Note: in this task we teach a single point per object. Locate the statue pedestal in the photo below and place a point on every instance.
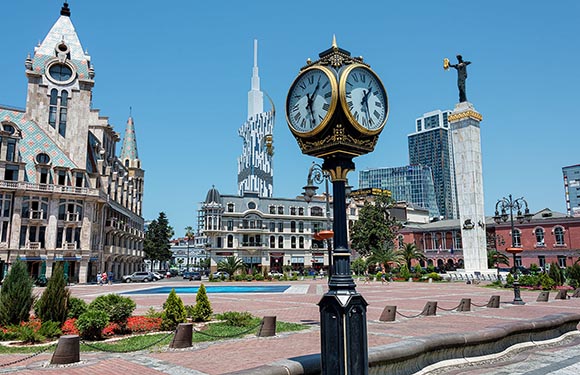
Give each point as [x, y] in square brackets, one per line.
[465, 134]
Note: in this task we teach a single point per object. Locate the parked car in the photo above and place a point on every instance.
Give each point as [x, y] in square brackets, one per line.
[219, 274]
[157, 276]
[192, 275]
[275, 274]
[139, 276]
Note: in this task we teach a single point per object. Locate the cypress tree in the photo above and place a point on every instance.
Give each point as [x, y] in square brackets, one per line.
[53, 304]
[16, 297]
[202, 310]
[173, 312]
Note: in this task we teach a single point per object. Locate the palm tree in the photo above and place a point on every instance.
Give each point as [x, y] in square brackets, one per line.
[230, 265]
[189, 235]
[385, 257]
[495, 258]
[410, 252]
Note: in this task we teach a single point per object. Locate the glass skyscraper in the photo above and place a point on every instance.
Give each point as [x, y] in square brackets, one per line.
[412, 184]
[572, 189]
[431, 145]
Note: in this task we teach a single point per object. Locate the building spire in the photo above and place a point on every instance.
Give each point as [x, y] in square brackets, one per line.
[129, 155]
[65, 11]
[255, 96]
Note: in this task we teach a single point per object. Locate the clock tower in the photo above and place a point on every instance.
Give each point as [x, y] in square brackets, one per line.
[336, 108]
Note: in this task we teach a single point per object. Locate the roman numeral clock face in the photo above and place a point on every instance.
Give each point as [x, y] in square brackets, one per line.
[364, 99]
[311, 101]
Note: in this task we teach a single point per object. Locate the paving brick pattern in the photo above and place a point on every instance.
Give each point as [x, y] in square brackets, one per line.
[243, 353]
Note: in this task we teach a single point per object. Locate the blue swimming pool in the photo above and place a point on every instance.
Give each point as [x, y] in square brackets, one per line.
[214, 289]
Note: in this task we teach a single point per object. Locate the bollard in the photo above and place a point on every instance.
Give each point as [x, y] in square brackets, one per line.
[67, 350]
[464, 305]
[183, 336]
[493, 302]
[388, 314]
[576, 293]
[562, 294]
[543, 297]
[430, 308]
[267, 327]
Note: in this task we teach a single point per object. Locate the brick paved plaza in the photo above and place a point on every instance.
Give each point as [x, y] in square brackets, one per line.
[299, 305]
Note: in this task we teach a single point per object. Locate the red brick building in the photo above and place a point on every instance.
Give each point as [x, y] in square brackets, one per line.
[548, 237]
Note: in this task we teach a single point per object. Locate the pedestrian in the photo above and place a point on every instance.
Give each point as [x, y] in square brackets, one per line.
[384, 278]
[110, 277]
[99, 279]
[367, 278]
[104, 278]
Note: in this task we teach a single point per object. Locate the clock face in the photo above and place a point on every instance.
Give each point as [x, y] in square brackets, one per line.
[311, 101]
[364, 99]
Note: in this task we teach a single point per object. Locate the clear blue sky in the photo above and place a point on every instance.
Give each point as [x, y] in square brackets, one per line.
[185, 67]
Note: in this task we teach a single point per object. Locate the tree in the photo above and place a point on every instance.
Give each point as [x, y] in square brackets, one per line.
[16, 297]
[495, 258]
[359, 266]
[230, 265]
[410, 252]
[173, 312]
[53, 304]
[189, 235]
[375, 229]
[202, 310]
[386, 257]
[156, 245]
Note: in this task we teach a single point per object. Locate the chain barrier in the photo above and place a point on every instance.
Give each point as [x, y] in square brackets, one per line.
[98, 347]
[455, 308]
[473, 304]
[410, 316]
[30, 356]
[228, 336]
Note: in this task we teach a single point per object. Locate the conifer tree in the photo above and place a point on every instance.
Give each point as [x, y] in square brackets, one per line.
[53, 304]
[173, 312]
[16, 297]
[202, 311]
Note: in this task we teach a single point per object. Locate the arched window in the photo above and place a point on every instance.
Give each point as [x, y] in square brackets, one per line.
[280, 242]
[301, 242]
[272, 242]
[52, 107]
[300, 226]
[539, 232]
[230, 240]
[63, 113]
[517, 237]
[293, 242]
[559, 235]
[292, 226]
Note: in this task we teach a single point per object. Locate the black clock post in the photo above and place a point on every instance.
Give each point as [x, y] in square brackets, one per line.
[337, 121]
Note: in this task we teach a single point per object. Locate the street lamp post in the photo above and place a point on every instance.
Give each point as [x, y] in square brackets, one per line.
[511, 205]
[317, 175]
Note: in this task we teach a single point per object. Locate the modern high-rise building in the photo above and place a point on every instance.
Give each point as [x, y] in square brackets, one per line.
[412, 184]
[431, 145]
[255, 172]
[572, 189]
[65, 195]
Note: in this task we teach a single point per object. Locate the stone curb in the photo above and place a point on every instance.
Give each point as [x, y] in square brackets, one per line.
[415, 354]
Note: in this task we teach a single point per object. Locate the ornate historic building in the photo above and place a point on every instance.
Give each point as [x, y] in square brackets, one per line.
[64, 194]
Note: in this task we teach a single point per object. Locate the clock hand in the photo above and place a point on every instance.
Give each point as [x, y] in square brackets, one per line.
[309, 107]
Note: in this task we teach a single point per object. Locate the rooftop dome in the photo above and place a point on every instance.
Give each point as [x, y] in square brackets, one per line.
[213, 195]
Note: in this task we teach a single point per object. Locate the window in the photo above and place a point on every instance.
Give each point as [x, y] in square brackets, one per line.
[562, 261]
[280, 242]
[53, 107]
[280, 227]
[230, 207]
[8, 129]
[518, 261]
[63, 113]
[34, 208]
[301, 211]
[32, 237]
[230, 240]
[11, 173]
[42, 158]
[230, 225]
[316, 211]
[280, 210]
[272, 209]
[70, 210]
[79, 179]
[539, 232]
[300, 226]
[292, 226]
[292, 210]
[5, 203]
[251, 205]
[542, 261]
[517, 237]
[559, 235]
[61, 178]
[60, 72]
[272, 226]
[293, 242]
[301, 242]
[272, 242]
[11, 149]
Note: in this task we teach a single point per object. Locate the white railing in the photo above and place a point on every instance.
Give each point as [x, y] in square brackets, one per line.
[28, 186]
[36, 214]
[69, 246]
[34, 246]
[72, 216]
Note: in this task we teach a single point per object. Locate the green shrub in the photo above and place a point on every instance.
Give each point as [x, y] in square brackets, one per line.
[50, 329]
[546, 282]
[404, 272]
[249, 278]
[509, 281]
[117, 307]
[236, 318]
[239, 277]
[259, 277]
[76, 307]
[556, 274]
[16, 297]
[91, 323]
[27, 334]
[434, 276]
[202, 310]
[173, 312]
[530, 280]
[53, 303]
[573, 275]
[152, 313]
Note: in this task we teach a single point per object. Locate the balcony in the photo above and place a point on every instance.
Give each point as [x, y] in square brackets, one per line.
[36, 215]
[72, 217]
[34, 246]
[69, 246]
[28, 186]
